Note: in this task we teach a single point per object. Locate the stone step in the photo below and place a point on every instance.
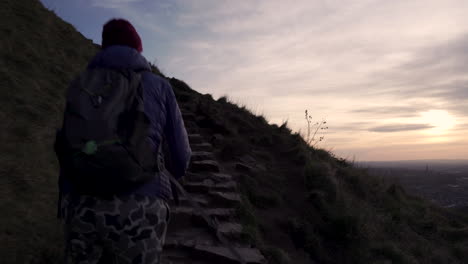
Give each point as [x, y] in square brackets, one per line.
[189, 237]
[187, 116]
[231, 230]
[202, 147]
[175, 255]
[190, 124]
[202, 155]
[195, 138]
[227, 199]
[180, 251]
[179, 256]
[187, 216]
[209, 185]
[204, 166]
[220, 177]
[201, 200]
[223, 255]
[241, 167]
[216, 177]
[193, 129]
[181, 216]
[199, 186]
[222, 214]
[228, 186]
[212, 199]
[179, 260]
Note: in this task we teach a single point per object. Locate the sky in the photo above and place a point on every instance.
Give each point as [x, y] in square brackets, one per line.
[390, 78]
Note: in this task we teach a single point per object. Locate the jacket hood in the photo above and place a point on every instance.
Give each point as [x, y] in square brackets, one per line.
[119, 57]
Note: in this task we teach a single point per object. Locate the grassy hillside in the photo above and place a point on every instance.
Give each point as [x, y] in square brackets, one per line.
[39, 54]
[304, 200]
[300, 203]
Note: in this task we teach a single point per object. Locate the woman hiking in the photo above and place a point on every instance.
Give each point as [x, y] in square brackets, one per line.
[118, 208]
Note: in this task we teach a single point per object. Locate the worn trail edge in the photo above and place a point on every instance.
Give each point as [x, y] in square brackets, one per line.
[189, 239]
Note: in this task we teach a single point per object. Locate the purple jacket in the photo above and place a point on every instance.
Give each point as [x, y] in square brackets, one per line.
[161, 108]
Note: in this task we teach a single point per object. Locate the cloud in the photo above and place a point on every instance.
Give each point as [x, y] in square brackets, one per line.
[140, 13]
[349, 127]
[318, 46]
[435, 76]
[113, 4]
[449, 58]
[436, 71]
[392, 111]
[462, 127]
[399, 128]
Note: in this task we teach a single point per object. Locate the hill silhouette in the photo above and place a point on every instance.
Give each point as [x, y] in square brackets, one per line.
[299, 204]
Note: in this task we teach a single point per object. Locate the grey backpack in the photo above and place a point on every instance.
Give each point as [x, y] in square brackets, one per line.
[103, 146]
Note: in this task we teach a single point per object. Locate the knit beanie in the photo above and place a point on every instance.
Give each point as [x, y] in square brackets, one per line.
[120, 32]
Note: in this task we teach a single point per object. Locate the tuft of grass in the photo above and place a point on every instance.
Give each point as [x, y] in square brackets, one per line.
[342, 228]
[312, 129]
[317, 175]
[265, 201]
[230, 148]
[391, 252]
[298, 231]
[276, 255]
[250, 230]
[50, 255]
[284, 128]
[454, 234]
[257, 196]
[223, 99]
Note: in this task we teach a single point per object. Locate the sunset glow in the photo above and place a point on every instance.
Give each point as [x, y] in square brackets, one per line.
[441, 121]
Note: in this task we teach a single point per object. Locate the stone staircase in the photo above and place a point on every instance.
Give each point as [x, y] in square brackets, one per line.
[189, 239]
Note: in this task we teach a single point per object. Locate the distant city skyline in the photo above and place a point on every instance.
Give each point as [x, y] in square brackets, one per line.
[389, 77]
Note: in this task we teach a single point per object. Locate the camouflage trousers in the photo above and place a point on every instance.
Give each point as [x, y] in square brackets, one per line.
[125, 229]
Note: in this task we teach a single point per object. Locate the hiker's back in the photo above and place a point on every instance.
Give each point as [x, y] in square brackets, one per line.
[115, 104]
[105, 133]
[160, 107]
